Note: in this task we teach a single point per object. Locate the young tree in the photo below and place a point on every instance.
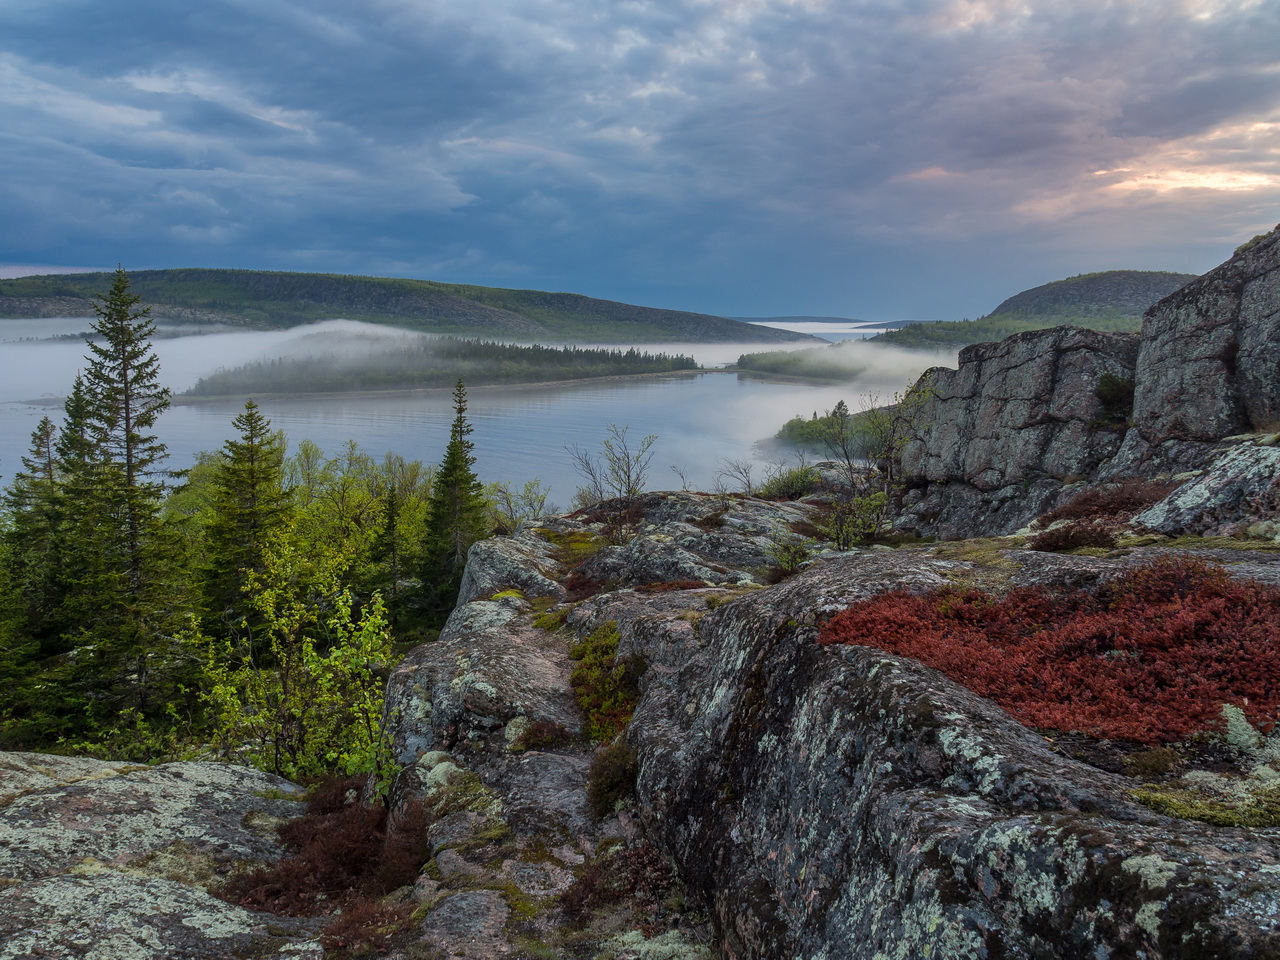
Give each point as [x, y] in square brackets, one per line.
[456, 514]
[34, 534]
[249, 505]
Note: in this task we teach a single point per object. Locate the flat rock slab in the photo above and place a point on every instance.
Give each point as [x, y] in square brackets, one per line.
[469, 924]
[115, 814]
[113, 916]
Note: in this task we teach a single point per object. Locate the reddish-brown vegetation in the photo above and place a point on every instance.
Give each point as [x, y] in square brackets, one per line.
[345, 854]
[1118, 502]
[1150, 657]
[666, 586]
[1078, 533]
[640, 874]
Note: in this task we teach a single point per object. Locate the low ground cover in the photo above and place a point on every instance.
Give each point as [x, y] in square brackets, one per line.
[1150, 657]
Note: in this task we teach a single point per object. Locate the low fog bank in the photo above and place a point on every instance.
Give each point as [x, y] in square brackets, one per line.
[884, 365]
[520, 434]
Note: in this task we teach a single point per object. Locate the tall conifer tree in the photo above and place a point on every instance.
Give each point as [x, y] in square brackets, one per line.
[456, 514]
[122, 599]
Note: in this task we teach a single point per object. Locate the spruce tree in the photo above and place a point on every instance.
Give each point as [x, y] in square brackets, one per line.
[33, 536]
[456, 515]
[122, 601]
[249, 506]
[123, 381]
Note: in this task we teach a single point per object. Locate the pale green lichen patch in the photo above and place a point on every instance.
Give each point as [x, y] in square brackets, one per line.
[115, 916]
[634, 945]
[1154, 871]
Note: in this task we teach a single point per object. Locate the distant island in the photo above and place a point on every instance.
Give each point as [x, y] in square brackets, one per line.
[1113, 300]
[257, 299]
[422, 362]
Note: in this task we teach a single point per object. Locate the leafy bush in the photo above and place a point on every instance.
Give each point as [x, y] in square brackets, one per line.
[1150, 657]
[790, 483]
[854, 520]
[607, 689]
[1116, 396]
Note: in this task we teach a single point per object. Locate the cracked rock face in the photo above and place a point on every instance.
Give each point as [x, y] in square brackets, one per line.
[1017, 419]
[1010, 417]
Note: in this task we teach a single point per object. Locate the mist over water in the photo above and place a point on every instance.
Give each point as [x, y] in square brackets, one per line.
[520, 432]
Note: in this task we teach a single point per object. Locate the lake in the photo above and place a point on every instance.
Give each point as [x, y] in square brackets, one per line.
[520, 433]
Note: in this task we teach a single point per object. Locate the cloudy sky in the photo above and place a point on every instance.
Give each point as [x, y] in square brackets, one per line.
[869, 158]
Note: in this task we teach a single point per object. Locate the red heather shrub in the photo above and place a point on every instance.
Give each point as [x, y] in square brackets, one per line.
[1079, 533]
[342, 851]
[1150, 657]
[1118, 502]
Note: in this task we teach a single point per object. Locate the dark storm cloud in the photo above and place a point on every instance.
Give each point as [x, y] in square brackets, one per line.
[751, 157]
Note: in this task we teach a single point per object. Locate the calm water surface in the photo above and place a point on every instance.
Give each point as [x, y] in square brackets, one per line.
[519, 433]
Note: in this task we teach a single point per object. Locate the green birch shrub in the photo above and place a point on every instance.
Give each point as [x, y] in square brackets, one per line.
[310, 703]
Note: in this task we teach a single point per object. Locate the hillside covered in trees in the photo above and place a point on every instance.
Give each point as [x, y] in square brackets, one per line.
[264, 299]
[1112, 301]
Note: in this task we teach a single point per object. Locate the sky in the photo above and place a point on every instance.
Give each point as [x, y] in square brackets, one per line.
[917, 159]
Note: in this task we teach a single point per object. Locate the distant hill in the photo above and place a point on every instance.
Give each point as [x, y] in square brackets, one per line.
[261, 299]
[1113, 300]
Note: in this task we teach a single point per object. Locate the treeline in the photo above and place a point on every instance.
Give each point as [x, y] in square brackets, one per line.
[246, 607]
[824, 363]
[961, 333]
[436, 362]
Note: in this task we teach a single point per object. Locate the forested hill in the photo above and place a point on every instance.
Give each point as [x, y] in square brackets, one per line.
[261, 299]
[1125, 292]
[1113, 300]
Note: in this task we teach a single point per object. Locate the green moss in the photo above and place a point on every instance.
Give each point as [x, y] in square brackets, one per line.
[1258, 807]
[606, 688]
[551, 621]
[517, 594]
[573, 548]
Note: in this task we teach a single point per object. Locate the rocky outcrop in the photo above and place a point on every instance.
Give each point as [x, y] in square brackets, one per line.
[1012, 423]
[108, 860]
[1019, 419]
[819, 802]
[488, 711]
[847, 803]
[1208, 367]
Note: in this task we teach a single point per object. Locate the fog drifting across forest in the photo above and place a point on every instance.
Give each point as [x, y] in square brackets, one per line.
[520, 432]
[848, 360]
